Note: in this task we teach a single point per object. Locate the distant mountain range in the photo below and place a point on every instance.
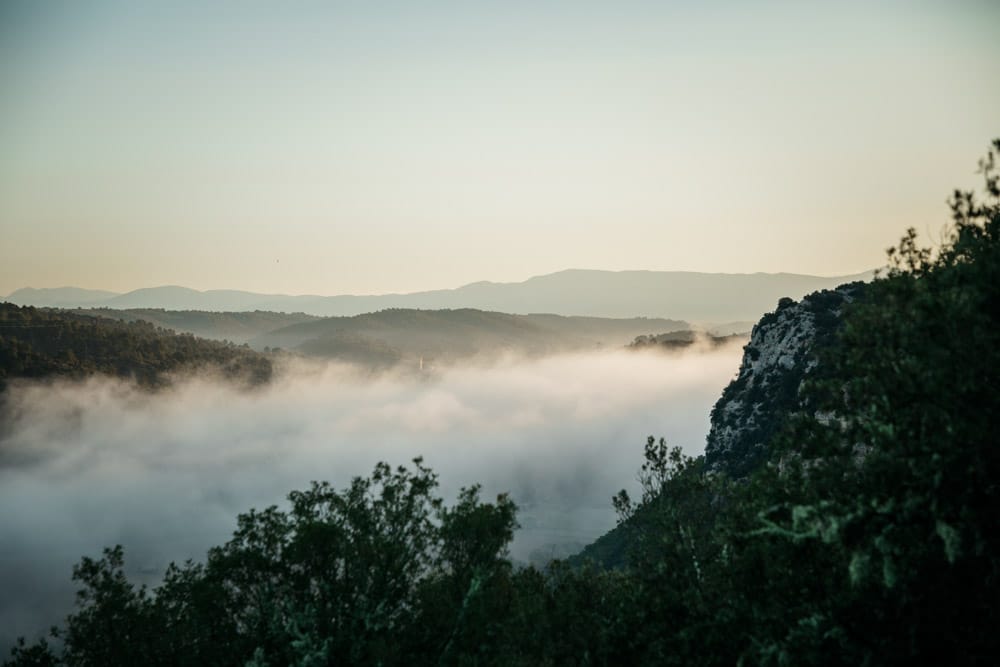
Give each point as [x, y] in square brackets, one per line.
[698, 297]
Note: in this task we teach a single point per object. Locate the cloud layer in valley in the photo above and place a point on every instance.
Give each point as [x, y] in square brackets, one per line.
[93, 464]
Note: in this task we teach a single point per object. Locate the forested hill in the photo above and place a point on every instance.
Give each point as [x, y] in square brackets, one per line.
[845, 510]
[36, 343]
[782, 354]
[390, 336]
[238, 326]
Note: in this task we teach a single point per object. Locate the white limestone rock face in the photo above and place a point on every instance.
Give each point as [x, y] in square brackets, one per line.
[780, 354]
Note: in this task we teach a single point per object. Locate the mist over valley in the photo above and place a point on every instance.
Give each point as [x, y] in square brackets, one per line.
[91, 463]
[499, 334]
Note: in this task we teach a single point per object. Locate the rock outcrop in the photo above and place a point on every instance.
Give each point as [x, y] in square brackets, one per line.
[781, 353]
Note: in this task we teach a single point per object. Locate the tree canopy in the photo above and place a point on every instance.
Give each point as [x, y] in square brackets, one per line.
[42, 343]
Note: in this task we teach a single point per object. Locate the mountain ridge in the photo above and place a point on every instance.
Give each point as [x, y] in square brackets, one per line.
[686, 295]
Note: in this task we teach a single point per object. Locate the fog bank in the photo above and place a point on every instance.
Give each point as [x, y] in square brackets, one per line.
[93, 464]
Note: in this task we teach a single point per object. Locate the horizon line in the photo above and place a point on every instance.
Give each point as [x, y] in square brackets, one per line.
[114, 293]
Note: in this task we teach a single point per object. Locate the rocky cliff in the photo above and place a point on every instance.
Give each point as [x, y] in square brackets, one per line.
[781, 353]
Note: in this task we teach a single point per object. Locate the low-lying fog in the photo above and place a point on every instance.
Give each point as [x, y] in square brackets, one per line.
[92, 464]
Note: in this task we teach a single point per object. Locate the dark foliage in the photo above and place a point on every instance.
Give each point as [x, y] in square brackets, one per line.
[42, 343]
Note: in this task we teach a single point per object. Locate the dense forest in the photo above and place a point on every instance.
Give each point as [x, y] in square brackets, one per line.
[239, 327]
[868, 536]
[41, 343]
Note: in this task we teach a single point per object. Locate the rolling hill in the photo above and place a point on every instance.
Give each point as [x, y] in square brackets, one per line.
[395, 335]
[39, 344]
[238, 327]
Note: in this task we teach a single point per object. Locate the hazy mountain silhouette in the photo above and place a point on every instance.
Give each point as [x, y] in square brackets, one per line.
[183, 298]
[59, 297]
[713, 297]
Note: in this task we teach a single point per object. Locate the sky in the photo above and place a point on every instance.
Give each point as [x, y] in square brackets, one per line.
[348, 147]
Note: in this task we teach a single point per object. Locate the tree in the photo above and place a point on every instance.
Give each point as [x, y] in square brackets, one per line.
[341, 577]
[897, 485]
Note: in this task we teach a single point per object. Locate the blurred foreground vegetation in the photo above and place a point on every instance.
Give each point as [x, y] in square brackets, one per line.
[869, 538]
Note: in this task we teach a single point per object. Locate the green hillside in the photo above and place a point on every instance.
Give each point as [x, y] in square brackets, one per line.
[238, 327]
[449, 335]
[37, 343]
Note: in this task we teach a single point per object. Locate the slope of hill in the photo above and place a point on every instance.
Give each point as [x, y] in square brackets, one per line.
[446, 335]
[38, 343]
[703, 297]
[238, 327]
[779, 356]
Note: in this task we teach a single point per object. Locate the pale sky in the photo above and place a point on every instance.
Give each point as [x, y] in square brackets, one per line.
[366, 147]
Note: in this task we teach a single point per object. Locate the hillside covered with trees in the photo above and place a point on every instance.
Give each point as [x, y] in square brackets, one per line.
[37, 343]
[865, 535]
[236, 326]
[402, 335]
